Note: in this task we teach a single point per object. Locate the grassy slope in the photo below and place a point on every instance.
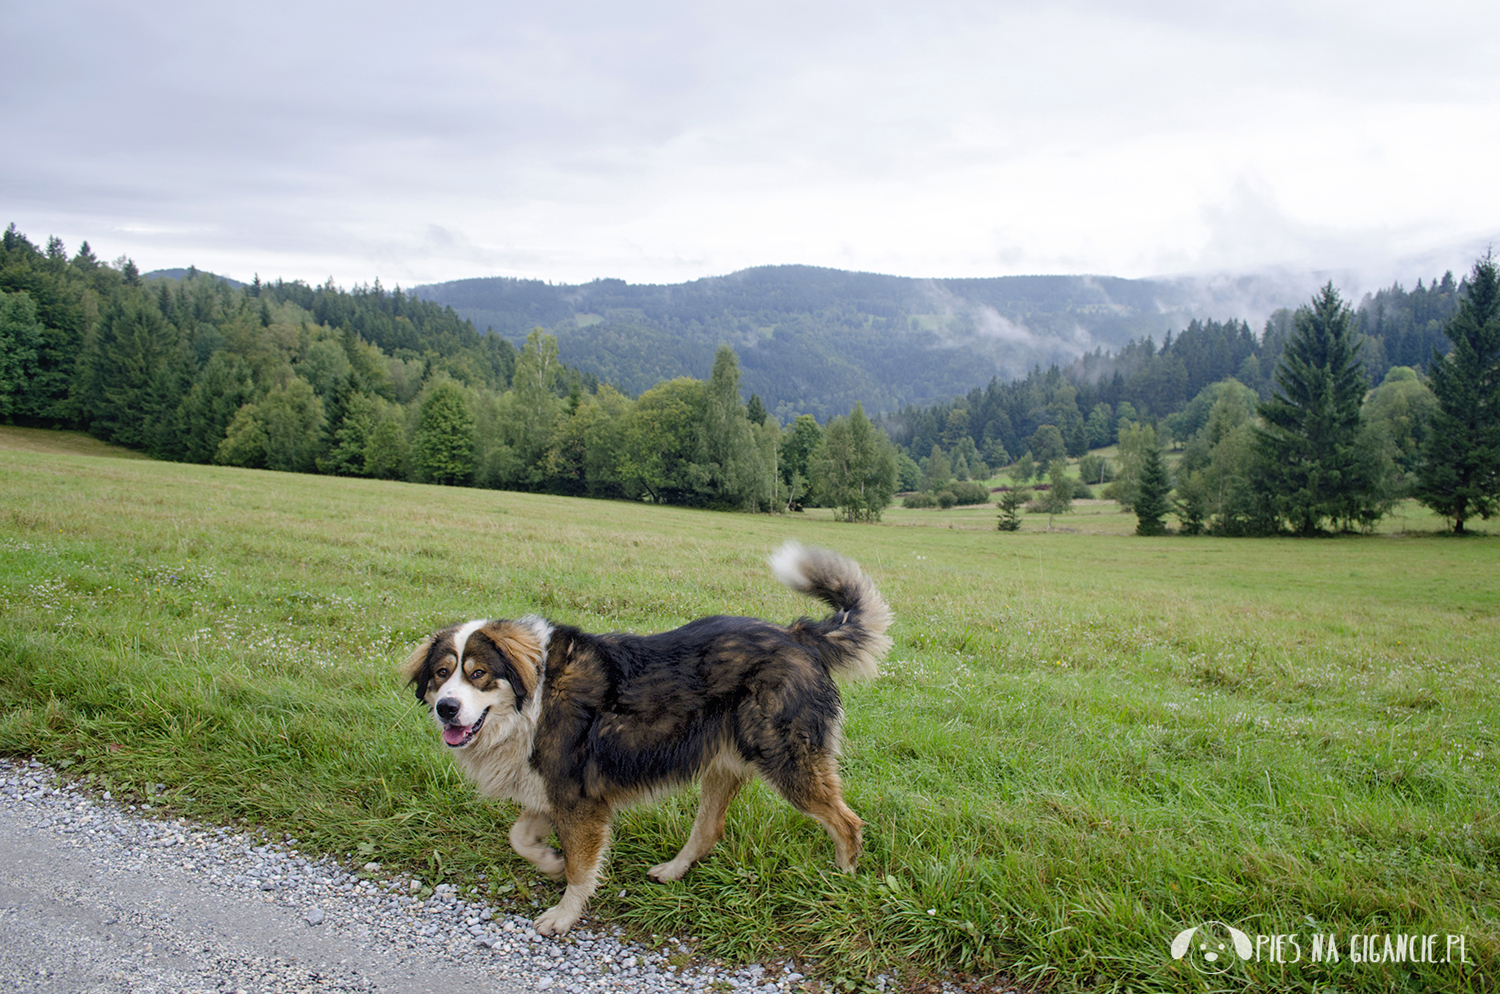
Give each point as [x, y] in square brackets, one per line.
[1083, 742]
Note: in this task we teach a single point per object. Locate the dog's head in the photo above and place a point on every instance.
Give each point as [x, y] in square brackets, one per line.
[476, 671]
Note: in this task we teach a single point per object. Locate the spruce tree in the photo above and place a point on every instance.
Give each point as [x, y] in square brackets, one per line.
[442, 449]
[1460, 476]
[118, 389]
[1312, 469]
[20, 338]
[1010, 504]
[1151, 503]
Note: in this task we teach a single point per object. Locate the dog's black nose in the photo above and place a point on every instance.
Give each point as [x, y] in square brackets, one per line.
[447, 708]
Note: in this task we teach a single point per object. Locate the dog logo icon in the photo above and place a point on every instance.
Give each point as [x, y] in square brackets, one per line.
[1212, 946]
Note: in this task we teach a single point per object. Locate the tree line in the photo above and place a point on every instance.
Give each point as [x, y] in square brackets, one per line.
[1088, 399]
[287, 376]
[813, 340]
[379, 383]
[1322, 451]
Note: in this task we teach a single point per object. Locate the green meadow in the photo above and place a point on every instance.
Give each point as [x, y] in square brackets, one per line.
[1082, 743]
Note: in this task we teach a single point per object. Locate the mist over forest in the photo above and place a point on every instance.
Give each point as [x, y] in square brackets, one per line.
[817, 341]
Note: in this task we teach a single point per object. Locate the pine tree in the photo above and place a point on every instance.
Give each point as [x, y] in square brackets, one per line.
[351, 439]
[117, 390]
[1460, 477]
[1312, 469]
[221, 388]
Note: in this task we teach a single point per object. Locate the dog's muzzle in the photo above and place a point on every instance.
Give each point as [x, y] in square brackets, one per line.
[455, 736]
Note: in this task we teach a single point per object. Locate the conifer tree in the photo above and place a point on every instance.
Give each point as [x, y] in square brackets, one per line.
[1460, 477]
[1312, 469]
[1010, 504]
[1151, 503]
[119, 369]
[222, 388]
[442, 449]
[20, 339]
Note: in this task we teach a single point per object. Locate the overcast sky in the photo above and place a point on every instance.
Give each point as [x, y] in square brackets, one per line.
[665, 141]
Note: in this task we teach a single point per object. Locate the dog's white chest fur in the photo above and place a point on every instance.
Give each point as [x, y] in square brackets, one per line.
[498, 762]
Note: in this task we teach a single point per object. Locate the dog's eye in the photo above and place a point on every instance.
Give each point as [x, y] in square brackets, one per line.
[442, 673]
[479, 674]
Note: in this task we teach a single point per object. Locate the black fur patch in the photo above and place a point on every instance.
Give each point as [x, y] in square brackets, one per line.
[627, 713]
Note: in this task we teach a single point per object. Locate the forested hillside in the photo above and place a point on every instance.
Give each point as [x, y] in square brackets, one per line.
[1087, 397]
[292, 377]
[818, 341]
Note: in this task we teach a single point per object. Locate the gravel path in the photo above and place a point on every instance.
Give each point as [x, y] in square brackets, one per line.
[98, 898]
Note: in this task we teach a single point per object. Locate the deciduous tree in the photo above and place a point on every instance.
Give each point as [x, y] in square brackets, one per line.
[855, 468]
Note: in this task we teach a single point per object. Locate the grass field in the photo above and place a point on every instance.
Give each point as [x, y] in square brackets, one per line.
[1083, 742]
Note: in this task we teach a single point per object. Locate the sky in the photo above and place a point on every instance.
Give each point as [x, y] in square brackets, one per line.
[660, 142]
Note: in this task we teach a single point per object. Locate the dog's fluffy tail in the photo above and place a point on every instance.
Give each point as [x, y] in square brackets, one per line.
[852, 640]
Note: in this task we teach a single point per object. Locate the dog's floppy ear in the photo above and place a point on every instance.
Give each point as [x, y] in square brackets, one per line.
[520, 657]
[416, 669]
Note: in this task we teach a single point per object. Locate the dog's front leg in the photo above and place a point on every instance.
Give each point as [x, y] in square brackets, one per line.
[527, 838]
[584, 835]
[720, 784]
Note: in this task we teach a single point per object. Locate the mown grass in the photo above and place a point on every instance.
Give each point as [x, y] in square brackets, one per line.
[1082, 743]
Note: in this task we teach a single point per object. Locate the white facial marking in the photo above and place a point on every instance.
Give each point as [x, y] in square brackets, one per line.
[461, 638]
[470, 699]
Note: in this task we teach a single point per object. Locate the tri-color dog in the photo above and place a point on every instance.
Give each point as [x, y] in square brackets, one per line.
[573, 726]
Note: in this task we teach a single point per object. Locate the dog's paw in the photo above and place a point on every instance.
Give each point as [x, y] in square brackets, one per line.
[556, 921]
[668, 871]
[550, 862]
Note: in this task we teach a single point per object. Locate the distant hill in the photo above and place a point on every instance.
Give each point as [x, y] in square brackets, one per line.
[815, 341]
[177, 274]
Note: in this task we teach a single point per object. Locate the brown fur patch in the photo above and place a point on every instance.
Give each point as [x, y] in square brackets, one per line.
[519, 646]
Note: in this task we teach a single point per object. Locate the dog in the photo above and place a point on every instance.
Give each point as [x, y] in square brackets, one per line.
[573, 726]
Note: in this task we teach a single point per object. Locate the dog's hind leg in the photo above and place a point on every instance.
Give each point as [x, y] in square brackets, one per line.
[719, 787]
[526, 838]
[818, 794]
[584, 836]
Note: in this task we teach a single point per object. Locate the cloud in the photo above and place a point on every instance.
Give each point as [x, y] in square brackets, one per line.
[666, 140]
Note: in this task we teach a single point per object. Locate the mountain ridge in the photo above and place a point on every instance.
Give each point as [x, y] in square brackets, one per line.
[817, 340]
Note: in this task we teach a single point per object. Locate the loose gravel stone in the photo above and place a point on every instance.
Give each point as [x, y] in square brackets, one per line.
[173, 906]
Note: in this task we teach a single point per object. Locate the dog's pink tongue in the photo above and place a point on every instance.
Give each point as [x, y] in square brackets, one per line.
[454, 734]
